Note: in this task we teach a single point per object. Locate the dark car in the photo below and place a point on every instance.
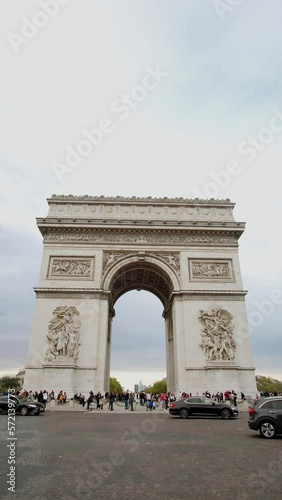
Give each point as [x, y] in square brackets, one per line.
[21, 407]
[265, 416]
[202, 406]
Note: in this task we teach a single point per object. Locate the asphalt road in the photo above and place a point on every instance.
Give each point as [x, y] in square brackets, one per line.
[91, 455]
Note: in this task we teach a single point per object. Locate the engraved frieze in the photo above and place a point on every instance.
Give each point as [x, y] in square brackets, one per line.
[71, 267]
[161, 238]
[211, 269]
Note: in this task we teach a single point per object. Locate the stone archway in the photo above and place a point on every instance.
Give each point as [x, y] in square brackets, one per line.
[142, 272]
[184, 251]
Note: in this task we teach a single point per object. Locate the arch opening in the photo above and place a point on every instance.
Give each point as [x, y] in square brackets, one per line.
[150, 277]
[141, 276]
[138, 343]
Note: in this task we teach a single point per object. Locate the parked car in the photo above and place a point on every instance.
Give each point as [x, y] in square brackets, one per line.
[21, 407]
[202, 406]
[265, 416]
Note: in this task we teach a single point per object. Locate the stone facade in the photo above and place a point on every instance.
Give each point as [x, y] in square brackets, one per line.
[184, 251]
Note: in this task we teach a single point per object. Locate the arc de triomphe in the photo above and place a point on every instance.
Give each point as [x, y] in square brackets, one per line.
[96, 249]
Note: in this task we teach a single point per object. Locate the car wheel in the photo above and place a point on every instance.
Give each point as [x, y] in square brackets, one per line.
[226, 414]
[267, 429]
[24, 411]
[184, 413]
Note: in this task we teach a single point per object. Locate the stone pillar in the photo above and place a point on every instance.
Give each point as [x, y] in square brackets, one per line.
[101, 383]
[170, 353]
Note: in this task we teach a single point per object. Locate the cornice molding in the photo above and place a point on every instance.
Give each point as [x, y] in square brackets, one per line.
[210, 295]
[71, 222]
[42, 292]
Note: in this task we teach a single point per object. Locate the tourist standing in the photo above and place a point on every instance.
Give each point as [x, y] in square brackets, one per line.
[45, 397]
[111, 401]
[126, 400]
[131, 401]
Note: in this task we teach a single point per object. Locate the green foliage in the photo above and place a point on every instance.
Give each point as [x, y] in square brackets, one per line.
[159, 386]
[266, 384]
[9, 382]
[115, 385]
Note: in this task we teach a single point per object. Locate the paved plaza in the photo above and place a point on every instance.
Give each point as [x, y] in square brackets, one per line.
[139, 455]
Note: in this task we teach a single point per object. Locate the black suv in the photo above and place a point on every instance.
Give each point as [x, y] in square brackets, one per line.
[265, 416]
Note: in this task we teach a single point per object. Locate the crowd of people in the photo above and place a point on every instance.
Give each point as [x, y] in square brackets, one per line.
[130, 400]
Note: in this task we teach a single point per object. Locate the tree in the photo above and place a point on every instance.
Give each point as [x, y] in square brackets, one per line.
[159, 386]
[9, 382]
[267, 384]
[115, 385]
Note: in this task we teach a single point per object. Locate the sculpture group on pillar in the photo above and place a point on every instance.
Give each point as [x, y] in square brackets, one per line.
[63, 334]
[217, 336]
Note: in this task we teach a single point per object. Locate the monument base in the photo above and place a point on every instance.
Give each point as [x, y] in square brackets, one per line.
[58, 377]
[215, 378]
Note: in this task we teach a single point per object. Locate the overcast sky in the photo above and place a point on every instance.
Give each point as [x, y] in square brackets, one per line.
[217, 100]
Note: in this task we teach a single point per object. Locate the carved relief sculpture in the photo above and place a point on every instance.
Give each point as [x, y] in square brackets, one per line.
[206, 270]
[172, 259]
[63, 334]
[70, 267]
[217, 343]
[110, 258]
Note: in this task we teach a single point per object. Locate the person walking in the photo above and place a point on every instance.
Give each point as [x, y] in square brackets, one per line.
[162, 401]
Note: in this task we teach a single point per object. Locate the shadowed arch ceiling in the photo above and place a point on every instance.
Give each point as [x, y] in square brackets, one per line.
[142, 277]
